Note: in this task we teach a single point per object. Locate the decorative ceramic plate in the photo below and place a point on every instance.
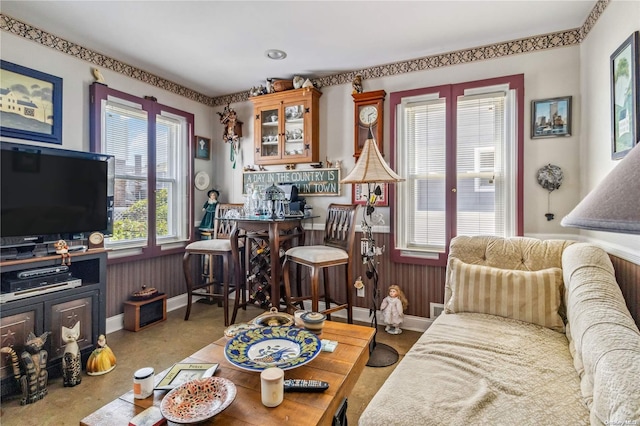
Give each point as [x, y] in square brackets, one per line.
[198, 400]
[283, 347]
[201, 180]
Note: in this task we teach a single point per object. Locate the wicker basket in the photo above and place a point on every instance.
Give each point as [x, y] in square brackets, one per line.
[282, 85]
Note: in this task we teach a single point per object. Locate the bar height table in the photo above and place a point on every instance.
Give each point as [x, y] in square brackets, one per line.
[278, 232]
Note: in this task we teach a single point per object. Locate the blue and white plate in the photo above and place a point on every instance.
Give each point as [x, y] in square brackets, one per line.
[283, 347]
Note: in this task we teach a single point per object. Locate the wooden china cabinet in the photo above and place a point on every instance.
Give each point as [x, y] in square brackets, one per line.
[286, 127]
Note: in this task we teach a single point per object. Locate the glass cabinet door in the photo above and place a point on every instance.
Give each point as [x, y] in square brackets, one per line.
[269, 122]
[294, 131]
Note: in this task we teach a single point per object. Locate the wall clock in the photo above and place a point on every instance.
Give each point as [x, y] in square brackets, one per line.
[369, 112]
[96, 240]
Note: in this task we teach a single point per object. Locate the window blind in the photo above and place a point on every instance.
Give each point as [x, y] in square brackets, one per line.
[480, 137]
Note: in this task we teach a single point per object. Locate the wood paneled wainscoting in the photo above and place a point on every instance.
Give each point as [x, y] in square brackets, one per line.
[163, 273]
[628, 277]
[425, 284]
[421, 284]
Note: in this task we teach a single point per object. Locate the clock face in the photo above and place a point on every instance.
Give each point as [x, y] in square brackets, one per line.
[96, 239]
[368, 115]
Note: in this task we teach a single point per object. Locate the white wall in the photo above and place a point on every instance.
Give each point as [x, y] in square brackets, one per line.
[548, 74]
[581, 72]
[619, 20]
[77, 77]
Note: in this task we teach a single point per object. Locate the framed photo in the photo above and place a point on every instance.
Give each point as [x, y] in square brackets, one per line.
[183, 372]
[625, 100]
[203, 148]
[360, 191]
[32, 104]
[551, 118]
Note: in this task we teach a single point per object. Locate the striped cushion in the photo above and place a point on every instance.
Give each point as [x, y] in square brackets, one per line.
[531, 296]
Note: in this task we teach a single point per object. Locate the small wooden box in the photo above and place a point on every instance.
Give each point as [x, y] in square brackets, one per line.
[141, 314]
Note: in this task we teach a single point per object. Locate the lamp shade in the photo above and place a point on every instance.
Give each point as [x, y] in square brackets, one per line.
[371, 167]
[614, 204]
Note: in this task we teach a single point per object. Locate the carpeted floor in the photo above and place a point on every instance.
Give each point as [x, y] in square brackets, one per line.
[159, 347]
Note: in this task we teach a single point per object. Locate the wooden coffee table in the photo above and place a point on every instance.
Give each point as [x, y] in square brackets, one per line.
[340, 368]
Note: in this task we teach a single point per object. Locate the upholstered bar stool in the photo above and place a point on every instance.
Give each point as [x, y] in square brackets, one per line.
[218, 246]
[336, 250]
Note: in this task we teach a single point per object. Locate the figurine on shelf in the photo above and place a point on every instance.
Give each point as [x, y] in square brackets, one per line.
[209, 209]
[71, 361]
[63, 250]
[392, 308]
[357, 83]
[102, 360]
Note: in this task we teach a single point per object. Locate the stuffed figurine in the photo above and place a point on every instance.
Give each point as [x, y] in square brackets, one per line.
[63, 250]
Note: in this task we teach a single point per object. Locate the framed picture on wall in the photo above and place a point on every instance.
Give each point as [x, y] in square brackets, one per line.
[203, 148]
[360, 191]
[551, 118]
[31, 107]
[625, 100]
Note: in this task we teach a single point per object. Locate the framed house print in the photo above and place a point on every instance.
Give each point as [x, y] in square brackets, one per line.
[625, 100]
[30, 104]
[551, 117]
[202, 148]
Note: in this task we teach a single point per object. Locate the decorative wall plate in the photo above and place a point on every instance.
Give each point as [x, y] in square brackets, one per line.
[198, 400]
[283, 347]
[202, 180]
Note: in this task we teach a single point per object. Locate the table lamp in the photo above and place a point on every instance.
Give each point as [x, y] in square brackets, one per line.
[371, 169]
[613, 205]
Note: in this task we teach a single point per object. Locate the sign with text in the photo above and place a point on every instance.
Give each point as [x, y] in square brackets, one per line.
[309, 182]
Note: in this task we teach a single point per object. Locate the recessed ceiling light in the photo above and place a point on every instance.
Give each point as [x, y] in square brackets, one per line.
[275, 54]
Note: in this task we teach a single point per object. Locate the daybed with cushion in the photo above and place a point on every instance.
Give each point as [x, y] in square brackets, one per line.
[534, 333]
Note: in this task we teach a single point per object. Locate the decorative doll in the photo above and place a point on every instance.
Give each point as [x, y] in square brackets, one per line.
[392, 308]
[209, 209]
[102, 360]
[63, 250]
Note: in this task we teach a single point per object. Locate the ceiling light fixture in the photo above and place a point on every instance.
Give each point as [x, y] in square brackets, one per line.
[275, 54]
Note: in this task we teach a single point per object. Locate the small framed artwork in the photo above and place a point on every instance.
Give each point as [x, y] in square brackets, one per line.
[551, 118]
[360, 191]
[202, 148]
[32, 104]
[183, 372]
[625, 100]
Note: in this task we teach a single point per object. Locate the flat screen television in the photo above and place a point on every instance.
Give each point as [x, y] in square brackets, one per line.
[51, 193]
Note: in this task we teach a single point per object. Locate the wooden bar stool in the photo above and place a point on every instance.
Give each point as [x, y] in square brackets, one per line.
[336, 250]
[218, 246]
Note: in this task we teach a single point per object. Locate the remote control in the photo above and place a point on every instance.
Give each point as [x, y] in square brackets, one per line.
[300, 385]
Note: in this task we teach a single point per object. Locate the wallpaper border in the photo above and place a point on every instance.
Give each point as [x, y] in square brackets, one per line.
[493, 51]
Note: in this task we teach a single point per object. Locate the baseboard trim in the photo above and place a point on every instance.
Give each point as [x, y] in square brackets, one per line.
[413, 323]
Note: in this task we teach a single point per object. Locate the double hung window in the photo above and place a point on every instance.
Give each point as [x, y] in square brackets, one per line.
[150, 143]
[460, 149]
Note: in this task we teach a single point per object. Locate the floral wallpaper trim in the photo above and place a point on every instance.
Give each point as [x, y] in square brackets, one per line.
[525, 45]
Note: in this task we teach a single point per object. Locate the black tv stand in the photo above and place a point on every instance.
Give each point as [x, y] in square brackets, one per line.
[49, 311]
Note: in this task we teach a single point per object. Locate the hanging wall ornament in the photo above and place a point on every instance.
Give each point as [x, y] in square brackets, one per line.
[550, 178]
[232, 132]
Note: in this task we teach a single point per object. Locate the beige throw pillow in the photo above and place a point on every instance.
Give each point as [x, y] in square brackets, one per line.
[531, 296]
